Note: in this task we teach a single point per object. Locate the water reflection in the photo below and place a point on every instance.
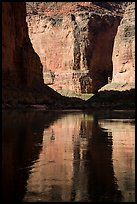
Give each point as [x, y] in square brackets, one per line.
[22, 135]
[123, 155]
[102, 182]
[51, 156]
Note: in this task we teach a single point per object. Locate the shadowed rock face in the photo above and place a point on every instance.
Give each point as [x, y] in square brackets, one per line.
[101, 35]
[22, 78]
[20, 64]
[74, 42]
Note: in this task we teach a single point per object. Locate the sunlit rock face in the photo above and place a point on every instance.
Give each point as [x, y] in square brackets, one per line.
[124, 48]
[74, 42]
[124, 53]
[20, 64]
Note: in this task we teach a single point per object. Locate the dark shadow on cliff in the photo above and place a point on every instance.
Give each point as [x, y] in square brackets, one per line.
[112, 100]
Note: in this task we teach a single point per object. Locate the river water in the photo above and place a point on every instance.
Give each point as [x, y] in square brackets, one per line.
[68, 156]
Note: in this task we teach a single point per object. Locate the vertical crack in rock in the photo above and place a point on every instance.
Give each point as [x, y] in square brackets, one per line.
[102, 31]
[76, 48]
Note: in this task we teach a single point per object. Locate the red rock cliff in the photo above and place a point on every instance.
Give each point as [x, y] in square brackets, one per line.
[22, 78]
[20, 64]
[74, 42]
[124, 48]
[123, 56]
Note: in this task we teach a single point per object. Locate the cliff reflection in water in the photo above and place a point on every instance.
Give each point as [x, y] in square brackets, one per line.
[73, 157]
[22, 135]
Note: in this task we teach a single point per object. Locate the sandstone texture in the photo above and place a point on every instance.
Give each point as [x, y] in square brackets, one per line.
[124, 48]
[120, 93]
[123, 57]
[74, 42]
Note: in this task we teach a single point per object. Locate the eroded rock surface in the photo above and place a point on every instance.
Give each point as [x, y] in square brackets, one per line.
[124, 48]
[74, 42]
[120, 93]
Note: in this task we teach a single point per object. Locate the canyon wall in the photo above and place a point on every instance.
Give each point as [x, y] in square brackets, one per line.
[74, 42]
[20, 64]
[120, 92]
[22, 77]
[124, 49]
[123, 57]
